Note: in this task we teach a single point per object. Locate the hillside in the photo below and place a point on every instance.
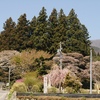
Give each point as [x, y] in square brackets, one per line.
[74, 62]
[96, 45]
[96, 49]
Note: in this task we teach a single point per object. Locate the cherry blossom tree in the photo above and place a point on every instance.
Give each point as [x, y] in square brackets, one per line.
[57, 77]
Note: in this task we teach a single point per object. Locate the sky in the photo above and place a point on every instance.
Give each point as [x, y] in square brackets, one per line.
[88, 11]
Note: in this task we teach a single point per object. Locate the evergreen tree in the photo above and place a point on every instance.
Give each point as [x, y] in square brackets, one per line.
[22, 33]
[77, 35]
[7, 35]
[62, 29]
[86, 41]
[33, 25]
[40, 33]
[52, 28]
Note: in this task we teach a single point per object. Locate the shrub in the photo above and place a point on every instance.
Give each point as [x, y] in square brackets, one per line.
[18, 87]
[69, 90]
[72, 83]
[32, 81]
[52, 90]
[35, 88]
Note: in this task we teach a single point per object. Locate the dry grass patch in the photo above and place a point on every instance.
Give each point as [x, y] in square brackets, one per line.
[56, 98]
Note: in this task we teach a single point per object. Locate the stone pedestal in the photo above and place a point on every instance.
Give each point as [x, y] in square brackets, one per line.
[45, 84]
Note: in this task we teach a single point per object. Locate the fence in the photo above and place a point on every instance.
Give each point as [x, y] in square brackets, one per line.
[59, 95]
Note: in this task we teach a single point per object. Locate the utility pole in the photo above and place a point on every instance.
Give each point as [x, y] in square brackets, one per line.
[90, 71]
[60, 56]
[60, 65]
[9, 76]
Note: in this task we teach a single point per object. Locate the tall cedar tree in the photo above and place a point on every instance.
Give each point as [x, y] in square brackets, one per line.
[77, 35]
[22, 33]
[52, 28]
[39, 37]
[7, 35]
[33, 25]
[62, 29]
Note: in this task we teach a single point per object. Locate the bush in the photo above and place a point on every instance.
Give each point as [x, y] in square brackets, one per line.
[35, 88]
[18, 87]
[52, 90]
[32, 81]
[69, 90]
[72, 84]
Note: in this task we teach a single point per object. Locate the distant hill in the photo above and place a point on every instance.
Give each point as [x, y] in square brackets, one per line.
[96, 49]
[96, 45]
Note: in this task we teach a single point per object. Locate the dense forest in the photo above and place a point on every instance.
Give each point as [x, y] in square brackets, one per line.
[45, 33]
